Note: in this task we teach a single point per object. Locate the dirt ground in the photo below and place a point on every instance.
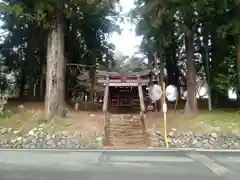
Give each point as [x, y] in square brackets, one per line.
[28, 115]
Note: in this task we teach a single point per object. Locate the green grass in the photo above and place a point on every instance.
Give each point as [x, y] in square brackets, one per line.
[6, 114]
[218, 120]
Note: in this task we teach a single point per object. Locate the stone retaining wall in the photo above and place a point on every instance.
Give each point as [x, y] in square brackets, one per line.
[213, 140]
[42, 139]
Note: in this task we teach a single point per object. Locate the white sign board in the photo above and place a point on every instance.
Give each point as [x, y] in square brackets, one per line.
[171, 93]
[155, 92]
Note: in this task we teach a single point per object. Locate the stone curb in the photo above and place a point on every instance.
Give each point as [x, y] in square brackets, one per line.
[127, 150]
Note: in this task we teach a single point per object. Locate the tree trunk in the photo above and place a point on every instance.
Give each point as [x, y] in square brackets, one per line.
[31, 82]
[191, 103]
[160, 80]
[219, 97]
[173, 73]
[205, 55]
[22, 80]
[54, 97]
[30, 64]
[171, 66]
[159, 60]
[161, 64]
[92, 75]
[238, 64]
[150, 60]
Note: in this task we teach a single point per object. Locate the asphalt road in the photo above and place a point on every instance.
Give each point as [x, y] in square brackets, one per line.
[116, 165]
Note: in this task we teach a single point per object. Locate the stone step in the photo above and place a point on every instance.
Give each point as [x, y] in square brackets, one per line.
[125, 133]
[124, 119]
[128, 146]
[125, 136]
[127, 141]
[125, 130]
[124, 144]
[116, 136]
[124, 122]
[125, 125]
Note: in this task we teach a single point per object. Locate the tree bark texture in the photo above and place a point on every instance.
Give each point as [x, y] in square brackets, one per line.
[54, 97]
[191, 103]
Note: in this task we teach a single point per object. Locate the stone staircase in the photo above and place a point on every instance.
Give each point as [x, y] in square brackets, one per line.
[126, 131]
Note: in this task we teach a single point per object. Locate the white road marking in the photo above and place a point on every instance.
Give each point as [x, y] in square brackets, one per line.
[209, 163]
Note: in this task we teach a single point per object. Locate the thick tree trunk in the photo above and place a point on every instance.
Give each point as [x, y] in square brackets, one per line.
[191, 103]
[205, 55]
[54, 96]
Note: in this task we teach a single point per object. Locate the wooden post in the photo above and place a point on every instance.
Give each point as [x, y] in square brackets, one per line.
[142, 106]
[105, 111]
[164, 107]
[140, 92]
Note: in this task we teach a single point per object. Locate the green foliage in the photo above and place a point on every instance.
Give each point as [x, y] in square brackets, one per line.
[229, 12]
[163, 26]
[27, 23]
[161, 23]
[44, 12]
[224, 81]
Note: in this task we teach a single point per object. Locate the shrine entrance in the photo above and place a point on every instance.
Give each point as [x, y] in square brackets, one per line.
[124, 90]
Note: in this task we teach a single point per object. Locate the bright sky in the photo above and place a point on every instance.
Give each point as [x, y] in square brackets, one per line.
[127, 43]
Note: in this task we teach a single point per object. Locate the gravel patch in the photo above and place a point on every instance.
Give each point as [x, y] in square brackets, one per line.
[37, 138]
[206, 140]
